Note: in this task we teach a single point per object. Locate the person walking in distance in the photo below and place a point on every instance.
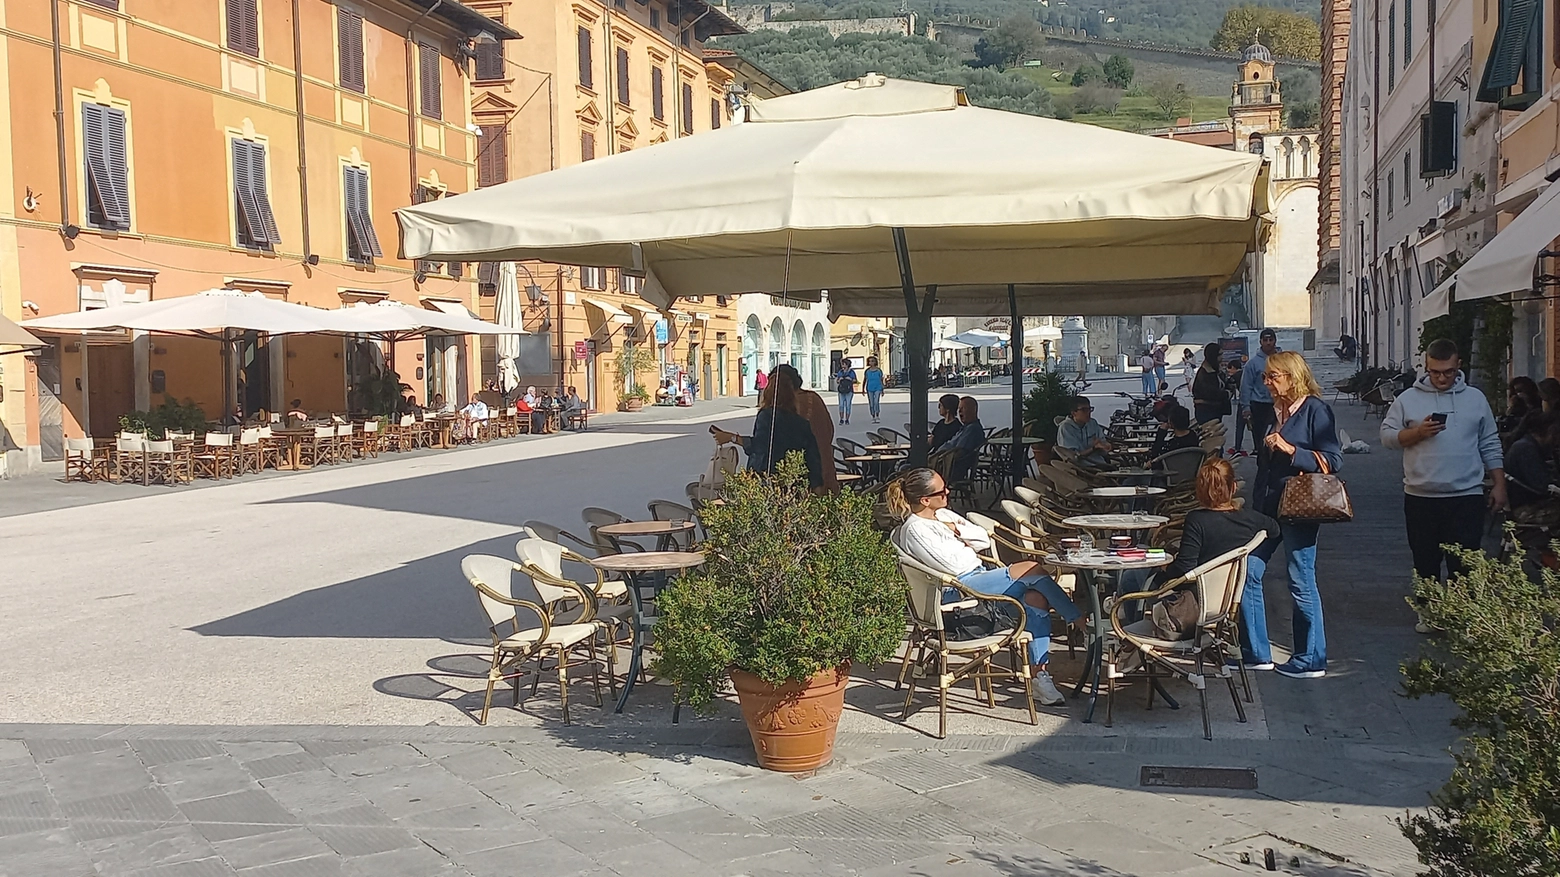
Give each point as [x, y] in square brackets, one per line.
[1256, 403]
[845, 385]
[761, 383]
[1303, 438]
[873, 380]
[1449, 440]
[1146, 364]
[1160, 352]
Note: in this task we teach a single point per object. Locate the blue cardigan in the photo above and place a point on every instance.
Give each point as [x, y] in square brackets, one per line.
[1312, 428]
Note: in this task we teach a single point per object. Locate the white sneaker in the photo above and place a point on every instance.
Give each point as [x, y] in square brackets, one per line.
[1044, 690]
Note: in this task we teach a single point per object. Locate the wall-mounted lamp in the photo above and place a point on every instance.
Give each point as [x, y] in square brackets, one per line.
[311, 259]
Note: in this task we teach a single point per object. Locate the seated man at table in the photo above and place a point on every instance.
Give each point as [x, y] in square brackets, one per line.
[1080, 432]
[473, 415]
[295, 413]
[1176, 435]
[968, 441]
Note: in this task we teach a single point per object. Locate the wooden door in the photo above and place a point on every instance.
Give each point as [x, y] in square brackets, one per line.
[110, 386]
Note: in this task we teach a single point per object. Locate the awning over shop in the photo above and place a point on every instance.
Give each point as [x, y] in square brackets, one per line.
[610, 313]
[1439, 302]
[15, 339]
[642, 310]
[1434, 246]
[1507, 262]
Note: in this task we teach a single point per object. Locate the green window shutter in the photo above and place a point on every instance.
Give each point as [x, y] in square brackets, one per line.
[1509, 52]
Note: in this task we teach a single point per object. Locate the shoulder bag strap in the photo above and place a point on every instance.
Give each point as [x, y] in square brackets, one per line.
[1321, 463]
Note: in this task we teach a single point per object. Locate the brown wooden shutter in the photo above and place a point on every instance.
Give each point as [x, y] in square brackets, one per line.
[714, 114]
[349, 50]
[262, 193]
[490, 61]
[108, 173]
[251, 229]
[243, 27]
[687, 108]
[586, 62]
[657, 94]
[432, 102]
[493, 157]
[587, 146]
[622, 77]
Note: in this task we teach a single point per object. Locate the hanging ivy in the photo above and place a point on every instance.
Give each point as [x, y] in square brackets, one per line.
[1484, 327]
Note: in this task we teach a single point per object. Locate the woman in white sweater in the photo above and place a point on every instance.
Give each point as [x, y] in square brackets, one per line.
[944, 540]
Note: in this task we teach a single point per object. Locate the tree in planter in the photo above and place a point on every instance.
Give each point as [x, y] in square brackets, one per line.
[795, 584]
[1048, 400]
[1499, 662]
[633, 360]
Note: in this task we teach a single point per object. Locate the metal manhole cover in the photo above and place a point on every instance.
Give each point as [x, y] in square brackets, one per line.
[1198, 777]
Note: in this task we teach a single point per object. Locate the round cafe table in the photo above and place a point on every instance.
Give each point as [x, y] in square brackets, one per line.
[1128, 495]
[1110, 523]
[666, 532]
[1088, 565]
[879, 449]
[646, 572]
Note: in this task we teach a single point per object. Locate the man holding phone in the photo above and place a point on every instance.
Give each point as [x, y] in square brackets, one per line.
[1449, 440]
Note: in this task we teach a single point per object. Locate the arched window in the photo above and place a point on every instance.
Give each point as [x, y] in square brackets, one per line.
[820, 356]
[1305, 156]
[776, 342]
[751, 353]
[799, 347]
[1287, 147]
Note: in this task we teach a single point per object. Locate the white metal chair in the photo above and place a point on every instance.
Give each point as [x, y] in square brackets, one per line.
[523, 630]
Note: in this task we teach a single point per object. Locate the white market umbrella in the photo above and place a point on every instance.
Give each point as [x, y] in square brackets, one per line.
[212, 314]
[980, 338]
[950, 344]
[506, 312]
[394, 321]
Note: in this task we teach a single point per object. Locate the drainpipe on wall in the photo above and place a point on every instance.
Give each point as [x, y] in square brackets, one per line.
[59, 115]
[609, 84]
[303, 152]
[1375, 176]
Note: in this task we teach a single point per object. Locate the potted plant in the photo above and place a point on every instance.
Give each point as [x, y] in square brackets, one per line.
[631, 361]
[1048, 400]
[796, 587]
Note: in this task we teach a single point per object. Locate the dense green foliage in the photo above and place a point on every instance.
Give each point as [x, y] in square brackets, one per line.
[1498, 659]
[1048, 400]
[795, 583]
[1484, 327]
[808, 58]
[171, 415]
[1119, 71]
[1287, 34]
[1010, 43]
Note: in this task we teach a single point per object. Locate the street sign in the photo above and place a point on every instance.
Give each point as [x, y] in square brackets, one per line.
[580, 350]
[660, 331]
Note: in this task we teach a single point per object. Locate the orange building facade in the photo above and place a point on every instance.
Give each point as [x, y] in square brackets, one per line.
[589, 80]
[157, 148]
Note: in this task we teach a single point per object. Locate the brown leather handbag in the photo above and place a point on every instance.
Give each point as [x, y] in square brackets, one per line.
[1316, 497]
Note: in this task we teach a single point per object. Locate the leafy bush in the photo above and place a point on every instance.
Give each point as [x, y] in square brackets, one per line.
[633, 360]
[1048, 400]
[1499, 662]
[1119, 71]
[170, 415]
[1096, 98]
[794, 583]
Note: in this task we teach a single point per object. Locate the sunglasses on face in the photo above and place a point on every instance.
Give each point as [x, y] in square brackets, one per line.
[943, 492]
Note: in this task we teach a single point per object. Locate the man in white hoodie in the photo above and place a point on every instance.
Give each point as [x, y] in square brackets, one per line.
[1448, 437]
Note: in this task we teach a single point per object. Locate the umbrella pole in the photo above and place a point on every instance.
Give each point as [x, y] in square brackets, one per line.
[1019, 450]
[918, 349]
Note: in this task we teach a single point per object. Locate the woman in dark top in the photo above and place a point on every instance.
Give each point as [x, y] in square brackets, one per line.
[1522, 402]
[949, 425]
[1529, 479]
[1303, 438]
[777, 431]
[1178, 435]
[1210, 396]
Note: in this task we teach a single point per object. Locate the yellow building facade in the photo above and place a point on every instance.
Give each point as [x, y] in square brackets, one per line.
[588, 81]
[260, 145]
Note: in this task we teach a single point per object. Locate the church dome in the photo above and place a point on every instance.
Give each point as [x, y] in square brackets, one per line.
[1257, 52]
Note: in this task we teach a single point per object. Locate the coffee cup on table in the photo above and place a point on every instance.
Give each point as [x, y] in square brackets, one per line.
[1119, 542]
[1069, 544]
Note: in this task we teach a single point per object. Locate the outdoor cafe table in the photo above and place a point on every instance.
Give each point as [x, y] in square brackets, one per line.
[1087, 565]
[445, 423]
[878, 449]
[875, 465]
[294, 436]
[847, 477]
[646, 573]
[1111, 523]
[665, 531]
[1127, 494]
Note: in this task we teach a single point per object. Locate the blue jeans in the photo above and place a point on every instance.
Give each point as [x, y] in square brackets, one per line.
[1037, 622]
[874, 402]
[845, 400]
[1310, 638]
[1149, 383]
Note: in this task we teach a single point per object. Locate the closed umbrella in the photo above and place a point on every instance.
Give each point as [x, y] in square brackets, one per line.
[872, 187]
[506, 312]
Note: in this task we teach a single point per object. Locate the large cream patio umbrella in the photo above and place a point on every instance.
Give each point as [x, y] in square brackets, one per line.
[873, 187]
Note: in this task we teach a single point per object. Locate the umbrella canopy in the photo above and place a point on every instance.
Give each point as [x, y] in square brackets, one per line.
[15, 339]
[506, 312]
[803, 196]
[950, 344]
[1507, 262]
[210, 313]
[980, 338]
[395, 321]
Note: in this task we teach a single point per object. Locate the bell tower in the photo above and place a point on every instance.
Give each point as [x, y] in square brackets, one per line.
[1256, 106]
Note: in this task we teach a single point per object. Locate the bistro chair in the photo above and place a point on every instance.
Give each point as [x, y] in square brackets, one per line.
[599, 517]
[248, 454]
[402, 435]
[1219, 584]
[344, 441]
[523, 630]
[1180, 466]
[129, 458]
[319, 448]
[270, 448]
[84, 461]
[162, 464]
[576, 419]
[369, 441]
[949, 661]
[893, 437]
[215, 459]
[666, 510]
[579, 602]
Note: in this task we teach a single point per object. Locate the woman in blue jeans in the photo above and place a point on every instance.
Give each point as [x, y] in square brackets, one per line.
[944, 540]
[1303, 439]
[872, 379]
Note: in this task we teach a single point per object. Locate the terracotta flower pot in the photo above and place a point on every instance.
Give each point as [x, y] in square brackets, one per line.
[1041, 452]
[793, 724]
[631, 404]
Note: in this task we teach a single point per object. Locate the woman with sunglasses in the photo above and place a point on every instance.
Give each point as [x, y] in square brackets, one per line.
[1303, 439]
[935, 535]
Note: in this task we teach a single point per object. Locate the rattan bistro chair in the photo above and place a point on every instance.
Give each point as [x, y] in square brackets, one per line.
[597, 600]
[523, 630]
[974, 658]
[667, 510]
[1219, 584]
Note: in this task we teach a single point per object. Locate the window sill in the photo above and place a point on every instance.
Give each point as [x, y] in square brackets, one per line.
[585, 90]
[112, 233]
[623, 106]
[491, 83]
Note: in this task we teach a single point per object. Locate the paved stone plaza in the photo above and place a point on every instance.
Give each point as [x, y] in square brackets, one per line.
[263, 677]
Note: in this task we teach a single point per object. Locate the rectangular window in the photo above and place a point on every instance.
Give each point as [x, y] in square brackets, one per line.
[687, 108]
[1391, 193]
[430, 83]
[493, 155]
[585, 58]
[490, 60]
[594, 279]
[243, 27]
[620, 4]
[622, 77]
[685, 36]
[251, 197]
[1408, 32]
[587, 146]
[655, 19]
[657, 95]
[630, 284]
[349, 51]
[1391, 47]
[714, 114]
[362, 243]
[108, 167]
[106, 4]
[1408, 170]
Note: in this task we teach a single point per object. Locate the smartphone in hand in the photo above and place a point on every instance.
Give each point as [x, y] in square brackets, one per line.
[1437, 417]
